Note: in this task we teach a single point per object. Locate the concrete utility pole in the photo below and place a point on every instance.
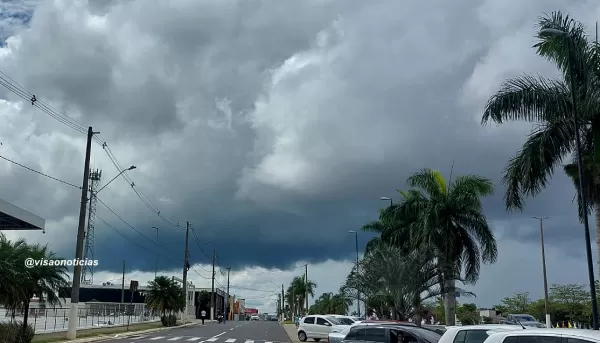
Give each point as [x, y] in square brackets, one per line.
[548, 322]
[282, 304]
[227, 302]
[306, 285]
[123, 284]
[74, 306]
[212, 294]
[186, 267]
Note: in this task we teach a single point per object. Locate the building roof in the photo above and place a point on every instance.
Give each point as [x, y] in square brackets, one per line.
[16, 218]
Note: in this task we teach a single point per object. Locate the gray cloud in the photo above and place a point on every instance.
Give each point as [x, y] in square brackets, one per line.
[272, 127]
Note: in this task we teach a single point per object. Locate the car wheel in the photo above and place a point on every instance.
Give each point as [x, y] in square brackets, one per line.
[302, 336]
[316, 339]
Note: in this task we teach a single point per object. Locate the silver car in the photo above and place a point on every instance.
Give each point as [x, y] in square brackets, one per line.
[339, 333]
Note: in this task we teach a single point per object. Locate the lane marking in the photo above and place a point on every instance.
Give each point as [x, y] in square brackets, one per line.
[231, 329]
[221, 334]
[155, 338]
[212, 339]
[249, 341]
[174, 339]
[194, 338]
[231, 340]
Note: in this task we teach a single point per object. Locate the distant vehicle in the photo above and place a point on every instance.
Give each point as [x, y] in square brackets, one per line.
[254, 318]
[523, 319]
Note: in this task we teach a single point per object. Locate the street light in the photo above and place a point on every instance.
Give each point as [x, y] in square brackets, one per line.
[357, 290]
[548, 322]
[156, 263]
[387, 199]
[114, 178]
[588, 245]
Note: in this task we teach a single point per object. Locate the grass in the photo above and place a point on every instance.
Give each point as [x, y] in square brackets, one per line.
[62, 336]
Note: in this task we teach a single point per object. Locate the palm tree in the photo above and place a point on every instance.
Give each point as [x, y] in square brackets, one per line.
[11, 254]
[297, 291]
[447, 219]
[165, 296]
[548, 104]
[43, 281]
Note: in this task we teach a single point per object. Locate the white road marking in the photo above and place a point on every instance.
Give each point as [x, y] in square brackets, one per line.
[174, 339]
[268, 342]
[231, 340]
[194, 338]
[221, 334]
[155, 338]
[249, 341]
[212, 339]
[231, 329]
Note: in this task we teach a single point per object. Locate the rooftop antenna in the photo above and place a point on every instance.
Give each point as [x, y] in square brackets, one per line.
[451, 171]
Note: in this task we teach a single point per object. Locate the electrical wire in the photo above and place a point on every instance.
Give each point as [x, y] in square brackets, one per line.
[13, 86]
[253, 289]
[133, 228]
[39, 172]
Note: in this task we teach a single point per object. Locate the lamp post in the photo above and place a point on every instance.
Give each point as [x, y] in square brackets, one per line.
[156, 263]
[588, 245]
[114, 178]
[548, 322]
[358, 290]
[387, 199]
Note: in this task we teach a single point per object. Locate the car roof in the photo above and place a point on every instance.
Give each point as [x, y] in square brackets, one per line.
[593, 334]
[484, 327]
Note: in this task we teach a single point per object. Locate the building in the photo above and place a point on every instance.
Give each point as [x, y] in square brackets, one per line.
[16, 218]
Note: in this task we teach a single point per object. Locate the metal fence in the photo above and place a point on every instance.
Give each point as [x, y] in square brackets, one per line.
[91, 315]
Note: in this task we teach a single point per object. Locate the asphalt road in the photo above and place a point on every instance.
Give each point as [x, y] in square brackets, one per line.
[230, 332]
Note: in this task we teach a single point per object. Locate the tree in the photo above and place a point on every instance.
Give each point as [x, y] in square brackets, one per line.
[468, 314]
[447, 219]
[330, 303]
[571, 298]
[548, 103]
[165, 296]
[296, 293]
[517, 303]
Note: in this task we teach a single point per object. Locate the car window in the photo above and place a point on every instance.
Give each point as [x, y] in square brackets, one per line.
[354, 334]
[309, 320]
[345, 321]
[398, 336]
[471, 336]
[373, 335]
[334, 320]
[575, 340]
[321, 321]
[532, 339]
[524, 318]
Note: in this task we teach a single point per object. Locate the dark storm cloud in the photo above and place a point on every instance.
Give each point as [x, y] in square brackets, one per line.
[274, 128]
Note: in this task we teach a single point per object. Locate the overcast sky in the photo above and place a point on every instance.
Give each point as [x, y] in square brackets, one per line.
[273, 127]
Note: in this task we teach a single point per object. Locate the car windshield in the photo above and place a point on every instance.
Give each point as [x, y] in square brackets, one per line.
[524, 318]
[345, 321]
[334, 321]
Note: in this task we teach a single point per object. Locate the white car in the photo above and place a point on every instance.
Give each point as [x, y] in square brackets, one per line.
[545, 336]
[254, 318]
[474, 333]
[316, 327]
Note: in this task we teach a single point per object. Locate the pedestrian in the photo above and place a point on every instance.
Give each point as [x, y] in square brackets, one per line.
[203, 316]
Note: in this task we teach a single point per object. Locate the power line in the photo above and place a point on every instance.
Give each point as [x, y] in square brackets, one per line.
[133, 228]
[20, 91]
[254, 289]
[39, 172]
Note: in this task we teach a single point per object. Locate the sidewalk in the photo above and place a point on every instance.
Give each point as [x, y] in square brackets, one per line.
[292, 332]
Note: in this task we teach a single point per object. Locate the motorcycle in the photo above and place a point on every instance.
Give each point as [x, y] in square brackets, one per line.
[220, 319]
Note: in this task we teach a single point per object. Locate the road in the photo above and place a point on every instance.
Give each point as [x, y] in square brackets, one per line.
[230, 332]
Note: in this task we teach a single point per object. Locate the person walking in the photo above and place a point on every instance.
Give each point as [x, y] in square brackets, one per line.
[203, 316]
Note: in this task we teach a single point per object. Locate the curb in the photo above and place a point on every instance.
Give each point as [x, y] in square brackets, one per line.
[123, 335]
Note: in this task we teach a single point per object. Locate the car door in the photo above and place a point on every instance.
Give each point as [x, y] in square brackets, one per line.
[322, 327]
[309, 326]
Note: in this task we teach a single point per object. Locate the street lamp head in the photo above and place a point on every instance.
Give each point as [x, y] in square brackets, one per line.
[551, 32]
[385, 198]
[131, 168]
[351, 231]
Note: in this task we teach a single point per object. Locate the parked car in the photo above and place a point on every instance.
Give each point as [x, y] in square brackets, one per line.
[474, 333]
[535, 335]
[391, 334]
[254, 318]
[316, 327]
[523, 319]
[338, 336]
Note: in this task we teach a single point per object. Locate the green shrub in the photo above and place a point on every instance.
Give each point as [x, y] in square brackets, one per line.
[169, 320]
[14, 333]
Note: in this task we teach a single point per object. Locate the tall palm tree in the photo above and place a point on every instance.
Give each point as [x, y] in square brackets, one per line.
[548, 103]
[165, 296]
[11, 254]
[447, 219]
[43, 281]
[299, 288]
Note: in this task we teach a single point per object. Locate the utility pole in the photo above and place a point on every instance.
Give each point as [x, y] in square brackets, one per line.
[282, 304]
[212, 294]
[293, 303]
[306, 285]
[74, 306]
[123, 284]
[186, 267]
[227, 308]
[541, 219]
